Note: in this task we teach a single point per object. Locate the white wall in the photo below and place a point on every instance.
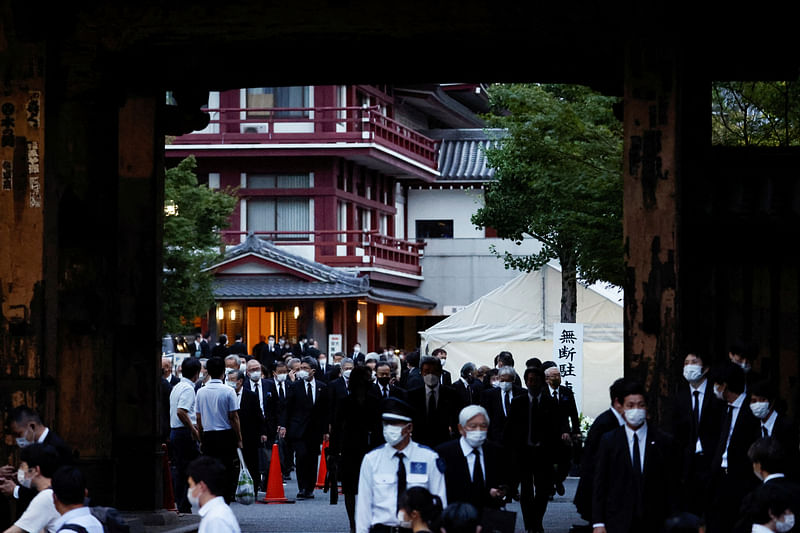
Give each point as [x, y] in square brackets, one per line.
[456, 205]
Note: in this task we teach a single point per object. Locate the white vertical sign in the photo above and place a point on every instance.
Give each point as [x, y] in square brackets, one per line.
[568, 355]
[334, 345]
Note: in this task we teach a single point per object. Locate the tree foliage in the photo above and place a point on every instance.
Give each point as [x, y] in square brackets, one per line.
[191, 243]
[558, 171]
[755, 113]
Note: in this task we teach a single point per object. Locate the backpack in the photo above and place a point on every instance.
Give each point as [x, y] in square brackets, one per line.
[108, 516]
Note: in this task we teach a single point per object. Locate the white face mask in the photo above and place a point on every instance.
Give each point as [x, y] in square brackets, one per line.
[496, 384]
[25, 482]
[271, 342]
[393, 435]
[785, 523]
[401, 522]
[443, 362]
[22, 442]
[431, 380]
[692, 372]
[356, 349]
[193, 500]
[280, 378]
[255, 375]
[347, 373]
[243, 367]
[635, 417]
[760, 409]
[302, 374]
[231, 383]
[745, 366]
[475, 438]
[505, 386]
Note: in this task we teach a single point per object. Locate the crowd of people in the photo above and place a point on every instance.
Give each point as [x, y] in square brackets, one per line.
[417, 448]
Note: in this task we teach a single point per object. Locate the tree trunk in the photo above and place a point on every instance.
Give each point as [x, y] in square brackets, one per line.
[569, 289]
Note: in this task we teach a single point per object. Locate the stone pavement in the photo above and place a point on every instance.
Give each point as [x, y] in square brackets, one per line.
[318, 516]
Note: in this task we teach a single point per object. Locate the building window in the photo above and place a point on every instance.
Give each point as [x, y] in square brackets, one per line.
[278, 181]
[434, 229]
[279, 215]
[265, 98]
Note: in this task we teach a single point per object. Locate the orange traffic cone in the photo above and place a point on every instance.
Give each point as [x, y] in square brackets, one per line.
[169, 494]
[275, 480]
[323, 466]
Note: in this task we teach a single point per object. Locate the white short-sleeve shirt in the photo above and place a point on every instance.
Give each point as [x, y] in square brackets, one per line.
[181, 397]
[41, 514]
[83, 517]
[214, 402]
[217, 517]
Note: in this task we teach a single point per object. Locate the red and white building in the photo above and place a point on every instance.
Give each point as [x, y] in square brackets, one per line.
[324, 175]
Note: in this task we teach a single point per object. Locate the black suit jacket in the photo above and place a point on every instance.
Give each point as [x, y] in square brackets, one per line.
[447, 378]
[491, 400]
[567, 410]
[413, 379]
[440, 426]
[544, 433]
[238, 348]
[305, 421]
[270, 406]
[615, 491]
[790, 488]
[458, 480]
[251, 420]
[65, 457]
[785, 431]
[682, 420]
[745, 431]
[465, 393]
[394, 391]
[605, 422]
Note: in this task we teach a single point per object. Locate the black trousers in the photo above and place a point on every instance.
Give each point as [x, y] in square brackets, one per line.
[306, 459]
[184, 451]
[536, 484]
[222, 445]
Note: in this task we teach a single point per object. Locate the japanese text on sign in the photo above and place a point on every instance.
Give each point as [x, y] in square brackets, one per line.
[568, 356]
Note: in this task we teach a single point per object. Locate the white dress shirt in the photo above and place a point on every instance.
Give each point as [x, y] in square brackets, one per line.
[376, 502]
[81, 516]
[769, 424]
[701, 389]
[217, 517]
[642, 434]
[257, 386]
[737, 406]
[468, 450]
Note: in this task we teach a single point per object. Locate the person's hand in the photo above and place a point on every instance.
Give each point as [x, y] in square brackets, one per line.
[8, 472]
[566, 438]
[497, 493]
[263, 438]
[291, 374]
[7, 487]
[325, 437]
[282, 432]
[239, 445]
[600, 529]
[195, 434]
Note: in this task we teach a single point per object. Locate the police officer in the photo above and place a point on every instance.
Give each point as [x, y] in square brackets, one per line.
[387, 471]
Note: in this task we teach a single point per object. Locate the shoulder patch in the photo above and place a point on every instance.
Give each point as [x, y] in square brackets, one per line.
[424, 447]
[440, 465]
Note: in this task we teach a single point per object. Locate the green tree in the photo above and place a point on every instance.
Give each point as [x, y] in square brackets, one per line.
[558, 170]
[191, 242]
[755, 113]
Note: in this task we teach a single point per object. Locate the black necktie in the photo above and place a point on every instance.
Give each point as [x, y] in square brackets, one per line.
[280, 390]
[637, 458]
[764, 431]
[310, 395]
[555, 395]
[696, 414]
[477, 472]
[507, 401]
[385, 391]
[401, 476]
[258, 391]
[432, 403]
[637, 476]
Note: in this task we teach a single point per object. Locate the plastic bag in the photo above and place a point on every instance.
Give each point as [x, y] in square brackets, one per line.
[245, 493]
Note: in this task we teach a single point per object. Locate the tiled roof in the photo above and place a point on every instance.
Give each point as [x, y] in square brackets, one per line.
[271, 287]
[461, 154]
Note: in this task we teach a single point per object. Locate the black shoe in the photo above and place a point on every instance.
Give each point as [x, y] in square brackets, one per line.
[560, 488]
[301, 496]
[309, 495]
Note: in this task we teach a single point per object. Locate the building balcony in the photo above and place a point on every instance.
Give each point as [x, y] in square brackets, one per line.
[349, 131]
[383, 257]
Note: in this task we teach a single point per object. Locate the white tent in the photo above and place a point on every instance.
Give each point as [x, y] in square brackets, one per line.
[519, 317]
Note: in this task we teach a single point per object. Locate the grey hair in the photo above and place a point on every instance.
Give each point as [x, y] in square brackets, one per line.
[507, 371]
[346, 360]
[292, 360]
[233, 357]
[236, 375]
[471, 411]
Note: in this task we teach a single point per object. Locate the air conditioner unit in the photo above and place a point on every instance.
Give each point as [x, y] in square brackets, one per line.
[254, 128]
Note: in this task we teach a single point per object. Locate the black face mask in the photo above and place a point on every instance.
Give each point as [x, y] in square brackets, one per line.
[384, 380]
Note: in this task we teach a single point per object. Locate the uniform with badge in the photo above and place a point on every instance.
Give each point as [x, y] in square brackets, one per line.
[387, 472]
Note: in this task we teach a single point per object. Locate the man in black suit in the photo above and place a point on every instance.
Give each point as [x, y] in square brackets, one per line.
[743, 354]
[769, 465]
[606, 421]
[696, 416]
[731, 471]
[446, 378]
[301, 348]
[238, 347]
[464, 385]
[497, 402]
[568, 420]
[436, 406]
[384, 385]
[221, 348]
[254, 427]
[339, 388]
[267, 396]
[411, 379]
[476, 471]
[636, 480]
[505, 358]
[763, 398]
[167, 374]
[26, 425]
[307, 413]
[280, 381]
[357, 355]
[199, 348]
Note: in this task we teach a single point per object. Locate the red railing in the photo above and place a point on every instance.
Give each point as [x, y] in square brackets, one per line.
[312, 125]
[352, 248]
